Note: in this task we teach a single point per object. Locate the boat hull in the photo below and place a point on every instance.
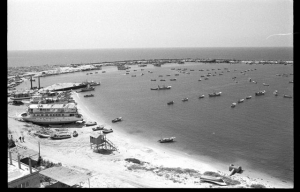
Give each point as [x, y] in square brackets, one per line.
[52, 121]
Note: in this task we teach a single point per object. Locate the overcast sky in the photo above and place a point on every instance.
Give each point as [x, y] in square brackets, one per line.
[90, 24]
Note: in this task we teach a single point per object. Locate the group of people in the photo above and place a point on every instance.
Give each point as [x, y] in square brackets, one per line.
[21, 138]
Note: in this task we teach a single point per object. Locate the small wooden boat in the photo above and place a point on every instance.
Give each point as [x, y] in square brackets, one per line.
[201, 96]
[170, 103]
[185, 99]
[60, 135]
[211, 179]
[233, 105]
[249, 97]
[167, 140]
[117, 119]
[100, 127]
[241, 100]
[287, 96]
[265, 84]
[42, 135]
[106, 131]
[90, 123]
[91, 95]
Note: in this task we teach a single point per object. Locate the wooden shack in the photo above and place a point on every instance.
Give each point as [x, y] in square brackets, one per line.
[98, 140]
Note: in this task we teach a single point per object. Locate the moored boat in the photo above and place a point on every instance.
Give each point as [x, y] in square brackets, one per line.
[260, 93]
[106, 130]
[100, 127]
[275, 93]
[60, 135]
[287, 96]
[233, 105]
[91, 95]
[185, 99]
[117, 119]
[214, 94]
[90, 123]
[249, 97]
[201, 96]
[170, 103]
[241, 100]
[166, 140]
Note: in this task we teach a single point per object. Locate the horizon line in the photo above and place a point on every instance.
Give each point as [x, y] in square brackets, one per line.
[145, 48]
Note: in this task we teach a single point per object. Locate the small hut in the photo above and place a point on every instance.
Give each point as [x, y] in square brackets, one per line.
[98, 140]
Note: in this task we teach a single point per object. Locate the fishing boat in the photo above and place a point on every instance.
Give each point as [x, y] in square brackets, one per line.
[91, 95]
[264, 84]
[170, 103]
[153, 79]
[173, 79]
[88, 88]
[90, 123]
[241, 100]
[260, 93]
[60, 135]
[162, 80]
[75, 134]
[201, 96]
[106, 131]
[185, 99]
[21, 96]
[100, 127]
[167, 140]
[92, 83]
[287, 96]
[233, 105]
[117, 119]
[275, 93]
[249, 97]
[214, 94]
[200, 79]
[42, 134]
[162, 88]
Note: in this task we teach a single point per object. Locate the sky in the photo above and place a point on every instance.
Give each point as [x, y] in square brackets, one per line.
[97, 24]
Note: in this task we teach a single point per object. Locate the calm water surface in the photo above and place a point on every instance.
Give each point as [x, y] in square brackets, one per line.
[257, 134]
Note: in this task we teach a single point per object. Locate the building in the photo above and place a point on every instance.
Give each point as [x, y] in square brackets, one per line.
[21, 175]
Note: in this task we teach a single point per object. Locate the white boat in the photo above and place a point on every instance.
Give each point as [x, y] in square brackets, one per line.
[214, 94]
[287, 96]
[21, 96]
[241, 100]
[249, 97]
[233, 105]
[167, 140]
[52, 114]
[201, 96]
[185, 99]
[60, 135]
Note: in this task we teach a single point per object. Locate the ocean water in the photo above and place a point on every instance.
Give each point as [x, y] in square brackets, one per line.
[256, 134]
[62, 57]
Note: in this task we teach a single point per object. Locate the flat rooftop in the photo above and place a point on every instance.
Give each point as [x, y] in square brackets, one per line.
[49, 106]
[15, 173]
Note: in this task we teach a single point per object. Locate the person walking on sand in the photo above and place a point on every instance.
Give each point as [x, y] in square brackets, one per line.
[23, 139]
[20, 139]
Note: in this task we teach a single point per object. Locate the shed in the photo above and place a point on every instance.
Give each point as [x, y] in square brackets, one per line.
[97, 138]
[65, 175]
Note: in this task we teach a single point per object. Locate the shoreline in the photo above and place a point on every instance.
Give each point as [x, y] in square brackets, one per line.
[134, 148]
[265, 179]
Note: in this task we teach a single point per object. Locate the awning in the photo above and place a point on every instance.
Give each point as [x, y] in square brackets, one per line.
[65, 175]
[24, 153]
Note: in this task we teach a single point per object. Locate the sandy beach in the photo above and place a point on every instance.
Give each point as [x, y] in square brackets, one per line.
[161, 169]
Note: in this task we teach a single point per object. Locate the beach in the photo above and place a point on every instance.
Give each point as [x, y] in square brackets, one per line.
[109, 168]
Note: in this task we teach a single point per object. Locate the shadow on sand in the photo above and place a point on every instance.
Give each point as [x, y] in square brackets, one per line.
[104, 151]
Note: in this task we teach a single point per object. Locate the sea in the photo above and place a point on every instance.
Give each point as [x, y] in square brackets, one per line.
[257, 134]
